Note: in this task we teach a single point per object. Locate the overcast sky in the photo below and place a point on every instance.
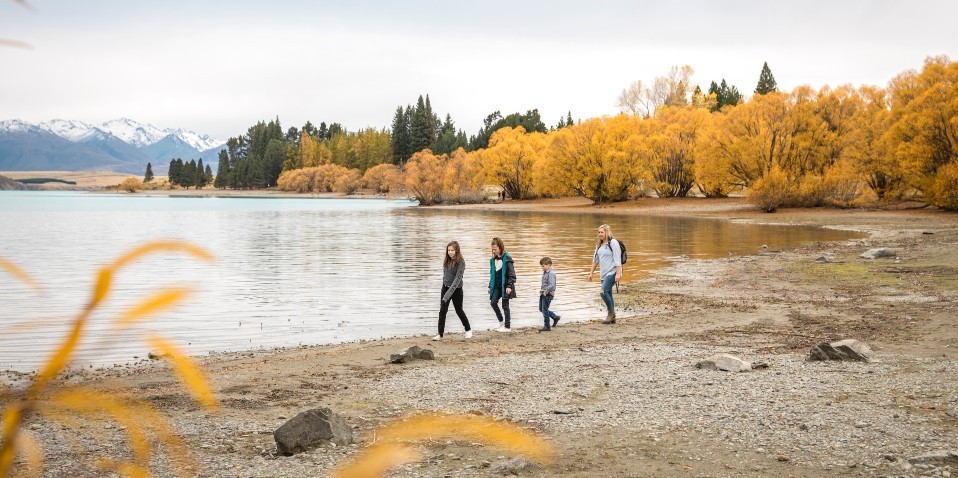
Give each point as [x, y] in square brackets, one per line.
[217, 67]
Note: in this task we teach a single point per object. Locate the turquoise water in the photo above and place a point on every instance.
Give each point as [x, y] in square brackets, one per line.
[298, 271]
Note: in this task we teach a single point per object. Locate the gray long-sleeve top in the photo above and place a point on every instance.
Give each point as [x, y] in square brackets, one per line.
[452, 278]
[548, 283]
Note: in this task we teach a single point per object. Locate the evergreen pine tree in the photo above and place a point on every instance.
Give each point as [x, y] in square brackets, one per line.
[273, 160]
[766, 82]
[188, 174]
[149, 173]
[568, 119]
[421, 126]
[200, 178]
[174, 171]
[400, 136]
[222, 171]
[208, 175]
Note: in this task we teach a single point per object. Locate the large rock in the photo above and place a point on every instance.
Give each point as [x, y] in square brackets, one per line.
[848, 349]
[937, 458]
[876, 253]
[726, 362]
[310, 428]
[412, 353]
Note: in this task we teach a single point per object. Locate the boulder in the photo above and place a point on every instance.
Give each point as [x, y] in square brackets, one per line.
[726, 362]
[310, 428]
[877, 253]
[937, 458]
[412, 353]
[848, 349]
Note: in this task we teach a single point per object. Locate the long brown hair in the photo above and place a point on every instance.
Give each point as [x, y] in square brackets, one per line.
[498, 243]
[446, 261]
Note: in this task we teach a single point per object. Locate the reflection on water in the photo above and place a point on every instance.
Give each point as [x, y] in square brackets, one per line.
[299, 271]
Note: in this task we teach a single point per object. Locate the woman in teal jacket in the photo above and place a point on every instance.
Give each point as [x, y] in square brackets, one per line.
[502, 283]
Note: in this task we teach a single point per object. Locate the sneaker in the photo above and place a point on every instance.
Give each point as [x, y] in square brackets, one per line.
[468, 334]
[503, 329]
[438, 337]
[555, 320]
[545, 329]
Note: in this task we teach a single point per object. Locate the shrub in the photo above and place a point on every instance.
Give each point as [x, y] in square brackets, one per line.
[944, 190]
[347, 181]
[842, 185]
[131, 185]
[382, 178]
[295, 180]
[772, 191]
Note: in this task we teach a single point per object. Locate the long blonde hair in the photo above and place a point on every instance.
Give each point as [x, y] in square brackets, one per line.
[608, 235]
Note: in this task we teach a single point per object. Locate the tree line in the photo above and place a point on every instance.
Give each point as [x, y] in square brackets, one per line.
[841, 146]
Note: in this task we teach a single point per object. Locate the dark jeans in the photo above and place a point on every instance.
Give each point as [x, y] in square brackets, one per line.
[544, 302]
[496, 295]
[456, 300]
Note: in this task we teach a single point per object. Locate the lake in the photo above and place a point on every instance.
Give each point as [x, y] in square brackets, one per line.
[297, 271]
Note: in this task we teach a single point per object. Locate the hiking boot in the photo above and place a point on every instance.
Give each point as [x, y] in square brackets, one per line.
[609, 318]
[545, 329]
[555, 320]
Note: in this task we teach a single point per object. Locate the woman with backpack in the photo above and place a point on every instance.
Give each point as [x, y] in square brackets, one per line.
[608, 257]
[502, 283]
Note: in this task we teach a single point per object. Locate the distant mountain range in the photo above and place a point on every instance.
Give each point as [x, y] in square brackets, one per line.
[122, 145]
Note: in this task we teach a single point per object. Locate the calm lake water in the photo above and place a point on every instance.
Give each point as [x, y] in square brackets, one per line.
[290, 272]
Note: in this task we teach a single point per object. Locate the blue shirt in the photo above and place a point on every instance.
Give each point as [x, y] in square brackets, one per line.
[608, 258]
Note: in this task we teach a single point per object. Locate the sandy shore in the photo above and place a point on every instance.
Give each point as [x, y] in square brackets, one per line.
[625, 400]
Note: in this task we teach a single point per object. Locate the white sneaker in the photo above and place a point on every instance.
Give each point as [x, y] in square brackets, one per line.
[438, 337]
[503, 329]
[468, 334]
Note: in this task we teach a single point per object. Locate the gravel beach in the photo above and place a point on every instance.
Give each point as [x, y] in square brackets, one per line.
[622, 400]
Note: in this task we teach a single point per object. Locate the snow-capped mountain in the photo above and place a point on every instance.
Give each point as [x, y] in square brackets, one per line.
[129, 131]
[17, 126]
[123, 141]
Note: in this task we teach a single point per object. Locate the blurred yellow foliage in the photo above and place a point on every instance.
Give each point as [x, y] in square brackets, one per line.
[63, 403]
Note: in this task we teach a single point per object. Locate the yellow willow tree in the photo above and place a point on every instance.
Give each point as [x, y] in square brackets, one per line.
[673, 147]
[599, 159]
[382, 178]
[462, 181]
[510, 160]
[775, 129]
[314, 153]
[868, 150]
[713, 170]
[370, 147]
[924, 129]
[423, 177]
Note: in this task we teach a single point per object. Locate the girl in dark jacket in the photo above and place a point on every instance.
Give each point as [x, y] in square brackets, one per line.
[502, 283]
[454, 266]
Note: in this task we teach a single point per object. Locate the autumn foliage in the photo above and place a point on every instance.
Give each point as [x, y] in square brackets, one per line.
[840, 147]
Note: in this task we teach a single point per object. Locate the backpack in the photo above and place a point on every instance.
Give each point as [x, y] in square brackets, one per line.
[625, 256]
